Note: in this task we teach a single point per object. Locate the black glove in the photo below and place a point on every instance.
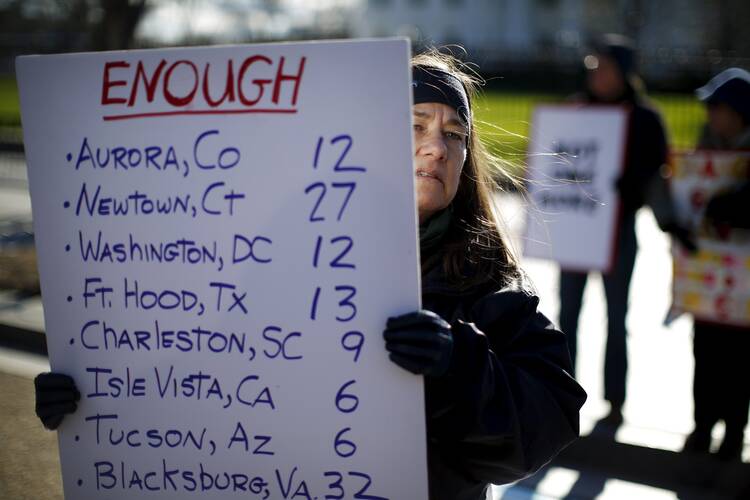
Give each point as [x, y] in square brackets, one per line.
[683, 236]
[630, 192]
[420, 342]
[56, 396]
[731, 207]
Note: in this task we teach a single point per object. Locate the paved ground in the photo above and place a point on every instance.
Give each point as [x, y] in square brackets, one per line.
[29, 464]
[658, 410]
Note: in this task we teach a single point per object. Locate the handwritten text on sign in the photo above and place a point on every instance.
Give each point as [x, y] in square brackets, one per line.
[222, 233]
[576, 154]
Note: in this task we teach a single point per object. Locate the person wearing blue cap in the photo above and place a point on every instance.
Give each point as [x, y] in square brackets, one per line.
[727, 98]
[720, 383]
[499, 398]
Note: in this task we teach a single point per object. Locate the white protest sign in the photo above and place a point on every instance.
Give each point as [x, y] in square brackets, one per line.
[713, 284]
[222, 233]
[575, 157]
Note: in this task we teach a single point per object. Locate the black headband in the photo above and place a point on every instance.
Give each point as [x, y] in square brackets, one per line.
[436, 85]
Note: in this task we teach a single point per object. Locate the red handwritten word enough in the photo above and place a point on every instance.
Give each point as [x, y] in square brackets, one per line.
[257, 84]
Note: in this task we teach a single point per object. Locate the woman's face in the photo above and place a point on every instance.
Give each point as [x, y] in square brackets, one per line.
[725, 121]
[440, 139]
[605, 80]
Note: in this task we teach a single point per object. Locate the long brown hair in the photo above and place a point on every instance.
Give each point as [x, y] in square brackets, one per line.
[474, 249]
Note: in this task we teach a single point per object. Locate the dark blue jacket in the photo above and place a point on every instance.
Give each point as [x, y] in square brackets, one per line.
[508, 404]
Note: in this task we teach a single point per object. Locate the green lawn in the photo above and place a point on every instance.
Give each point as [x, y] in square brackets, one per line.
[504, 120]
[9, 107]
[684, 116]
[504, 117]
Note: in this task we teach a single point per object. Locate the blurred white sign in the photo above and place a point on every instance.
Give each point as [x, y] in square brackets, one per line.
[222, 233]
[576, 154]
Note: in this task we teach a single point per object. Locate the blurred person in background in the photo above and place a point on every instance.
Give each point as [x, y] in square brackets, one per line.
[721, 384]
[611, 79]
[727, 99]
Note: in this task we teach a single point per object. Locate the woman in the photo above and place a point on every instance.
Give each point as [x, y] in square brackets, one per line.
[499, 398]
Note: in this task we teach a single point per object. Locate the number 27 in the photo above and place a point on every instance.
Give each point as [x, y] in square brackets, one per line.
[321, 188]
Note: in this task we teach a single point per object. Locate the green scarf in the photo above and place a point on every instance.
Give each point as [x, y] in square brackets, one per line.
[431, 233]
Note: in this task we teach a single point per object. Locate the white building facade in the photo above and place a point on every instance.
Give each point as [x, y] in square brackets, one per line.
[674, 37]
